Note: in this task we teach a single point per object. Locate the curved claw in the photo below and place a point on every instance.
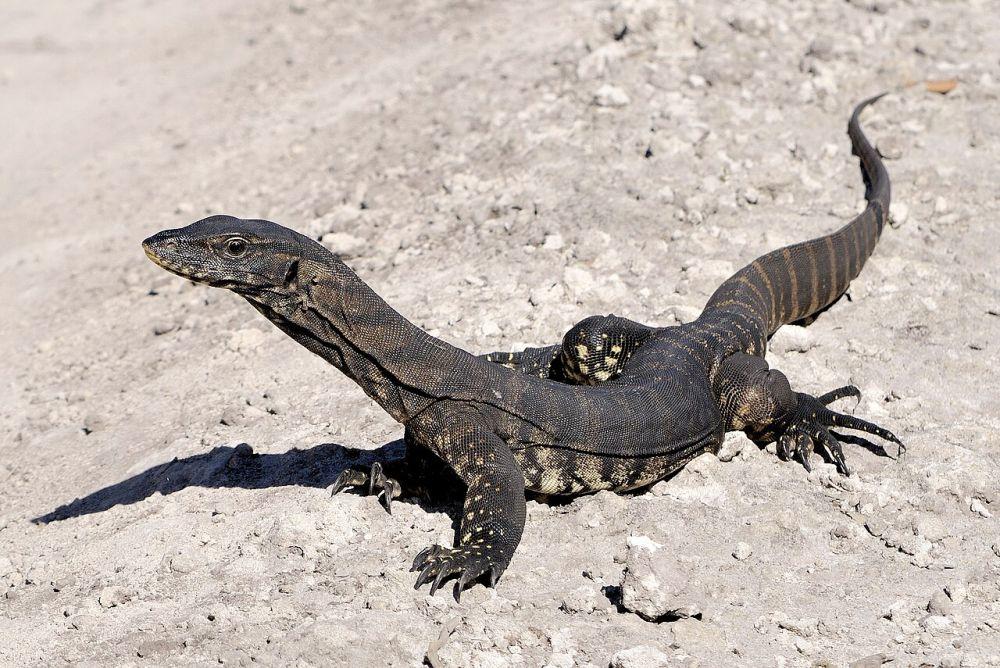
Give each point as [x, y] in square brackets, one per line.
[423, 578]
[463, 582]
[833, 449]
[851, 422]
[839, 393]
[444, 570]
[383, 486]
[436, 564]
[474, 573]
[807, 429]
[786, 447]
[423, 556]
[375, 478]
[348, 478]
[378, 483]
[804, 448]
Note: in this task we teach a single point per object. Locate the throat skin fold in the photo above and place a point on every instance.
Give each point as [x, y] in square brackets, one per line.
[329, 310]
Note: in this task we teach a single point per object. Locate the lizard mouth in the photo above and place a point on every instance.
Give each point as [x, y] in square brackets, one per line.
[160, 261]
[187, 271]
[153, 256]
[150, 247]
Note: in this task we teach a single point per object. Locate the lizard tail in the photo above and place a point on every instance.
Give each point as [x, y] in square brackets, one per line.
[798, 281]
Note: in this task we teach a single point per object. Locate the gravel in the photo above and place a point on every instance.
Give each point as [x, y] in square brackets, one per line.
[496, 171]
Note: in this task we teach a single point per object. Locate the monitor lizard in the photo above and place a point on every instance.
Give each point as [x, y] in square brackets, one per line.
[616, 406]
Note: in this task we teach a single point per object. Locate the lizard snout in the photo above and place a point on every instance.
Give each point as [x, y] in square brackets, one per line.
[160, 248]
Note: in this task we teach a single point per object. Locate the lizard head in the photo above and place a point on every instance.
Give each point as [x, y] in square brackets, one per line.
[245, 256]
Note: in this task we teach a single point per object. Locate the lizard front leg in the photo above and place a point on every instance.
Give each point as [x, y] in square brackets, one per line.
[593, 351]
[759, 400]
[531, 361]
[492, 516]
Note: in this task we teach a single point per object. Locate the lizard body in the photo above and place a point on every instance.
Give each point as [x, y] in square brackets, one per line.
[617, 405]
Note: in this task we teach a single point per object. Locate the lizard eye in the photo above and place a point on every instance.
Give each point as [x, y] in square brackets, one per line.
[236, 247]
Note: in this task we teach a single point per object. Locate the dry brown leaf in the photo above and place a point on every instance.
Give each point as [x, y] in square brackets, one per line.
[941, 85]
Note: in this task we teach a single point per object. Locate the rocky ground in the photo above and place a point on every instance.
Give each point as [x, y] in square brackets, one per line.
[496, 171]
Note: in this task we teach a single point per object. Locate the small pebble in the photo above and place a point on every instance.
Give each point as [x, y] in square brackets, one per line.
[161, 327]
[956, 591]
[821, 48]
[980, 508]
[344, 245]
[841, 531]
[890, 148]
[490, 328]
[697, 81]
[931, 528]
[611, 96]
[642, 656]
[113, 596]
[579, 281]
[899, 213]
[245, 340]
[935, 623]
[732, 445]
[654, 587]
[742, 551]
[582, 599]
[940, 604]
[553, 242]
[792, 338]
[805, 627]
[871, 661]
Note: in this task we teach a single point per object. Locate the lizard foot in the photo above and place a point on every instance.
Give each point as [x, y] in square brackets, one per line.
[808, 427]
[437, 563]
[378, 483]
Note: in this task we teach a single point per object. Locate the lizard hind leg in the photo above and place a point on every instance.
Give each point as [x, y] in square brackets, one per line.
[760, 401]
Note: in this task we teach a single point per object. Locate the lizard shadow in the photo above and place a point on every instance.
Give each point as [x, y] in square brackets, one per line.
[240, 467]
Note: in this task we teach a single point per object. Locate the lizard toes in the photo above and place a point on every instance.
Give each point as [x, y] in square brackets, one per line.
[447, 568]
[373, 480]
[348, 478]
[424, 556]
[437, 564]
[804, 448]
[424, 577]
[472, 573]
[383, 486]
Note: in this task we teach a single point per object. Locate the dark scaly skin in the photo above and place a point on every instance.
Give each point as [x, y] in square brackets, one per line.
[618, 405]
[593, 351]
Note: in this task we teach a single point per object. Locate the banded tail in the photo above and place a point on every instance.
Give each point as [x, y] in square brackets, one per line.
[798, 281]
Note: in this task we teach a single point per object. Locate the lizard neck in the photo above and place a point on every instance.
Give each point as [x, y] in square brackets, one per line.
[328, 309]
